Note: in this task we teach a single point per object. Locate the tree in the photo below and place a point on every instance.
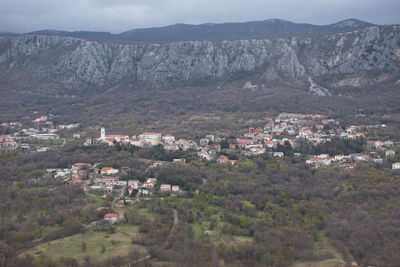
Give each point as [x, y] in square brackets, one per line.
[84, 246]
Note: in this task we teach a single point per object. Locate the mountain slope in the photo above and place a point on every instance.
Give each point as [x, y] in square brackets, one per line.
[71, 62]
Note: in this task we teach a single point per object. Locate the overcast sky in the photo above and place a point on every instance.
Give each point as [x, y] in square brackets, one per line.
[122, 15]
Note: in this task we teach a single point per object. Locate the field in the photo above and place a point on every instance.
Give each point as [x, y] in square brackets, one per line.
[114, 244]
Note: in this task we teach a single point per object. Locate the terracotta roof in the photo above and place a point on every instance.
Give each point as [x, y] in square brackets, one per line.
[111, 215]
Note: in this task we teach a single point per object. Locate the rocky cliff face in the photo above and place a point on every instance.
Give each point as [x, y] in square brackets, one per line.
[79, 63]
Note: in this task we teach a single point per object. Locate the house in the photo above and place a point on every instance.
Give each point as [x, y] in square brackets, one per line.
[377, 160]
[83, 174]
[40, 119]
[215, 147]
[46, 136]
[223, 159]
[134, 183]
[175, 188]
[360, 157]
[111, 217]
[168, 138]
[210, 137]
[359, 135]
[181, 161]
[186, 144]
[232, 146]
[108, 171]
[318, 162]
[256, 150]
[165, 188]
[204, 142]
[7, 143]
[109, 180]
[249, 135]
[171, 146]
[150, 136]
[270, 144]
[278, 154]
[241, 143]
[375, 144]
[396, 166]
[339, 157]
[150, 183]
[42, 149]
[204, 155]
[137, 142]
[125, 170]
[388, 143]
[349, 165]
[390, 153]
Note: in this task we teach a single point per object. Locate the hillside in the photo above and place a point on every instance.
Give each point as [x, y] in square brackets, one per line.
[70, 62]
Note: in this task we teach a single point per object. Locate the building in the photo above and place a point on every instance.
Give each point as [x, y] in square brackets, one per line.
[181, 161]
[390, 153]
[108, 171]
[111, 217]
[360, 157]
[46, 136]
[165, 188]
[150, 136]
[318, 162]
[204, 142]
[103, 133]
[375, 144]
[396, 166]
[137, 142]
[175, 188]
[168, 138]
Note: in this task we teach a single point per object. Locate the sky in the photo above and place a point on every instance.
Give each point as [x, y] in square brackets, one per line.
[117, 16]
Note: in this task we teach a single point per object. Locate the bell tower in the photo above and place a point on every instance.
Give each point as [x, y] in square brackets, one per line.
[103, 133]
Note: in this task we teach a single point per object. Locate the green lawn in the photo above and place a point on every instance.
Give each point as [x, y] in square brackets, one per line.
[116, 244]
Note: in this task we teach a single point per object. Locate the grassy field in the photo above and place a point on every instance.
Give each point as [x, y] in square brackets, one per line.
[116, 244]
[137, 211]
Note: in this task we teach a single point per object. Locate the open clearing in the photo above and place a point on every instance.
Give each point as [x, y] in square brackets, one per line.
[115, 244]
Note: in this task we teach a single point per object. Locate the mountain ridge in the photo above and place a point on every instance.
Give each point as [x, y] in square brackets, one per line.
[214, 31]
[73, 62]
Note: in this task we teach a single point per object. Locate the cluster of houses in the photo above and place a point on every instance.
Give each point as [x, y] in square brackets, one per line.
[40, 128]
[315, 129]
[287, 128]
[147, 139]
[106, 180]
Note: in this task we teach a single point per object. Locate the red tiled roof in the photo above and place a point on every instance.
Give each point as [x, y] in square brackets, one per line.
[82, 164]
[111, 215]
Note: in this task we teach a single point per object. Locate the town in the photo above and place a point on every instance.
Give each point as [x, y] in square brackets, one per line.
[287, 130]
[286, 135]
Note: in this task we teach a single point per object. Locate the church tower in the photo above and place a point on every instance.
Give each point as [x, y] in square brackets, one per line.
[103, 133]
